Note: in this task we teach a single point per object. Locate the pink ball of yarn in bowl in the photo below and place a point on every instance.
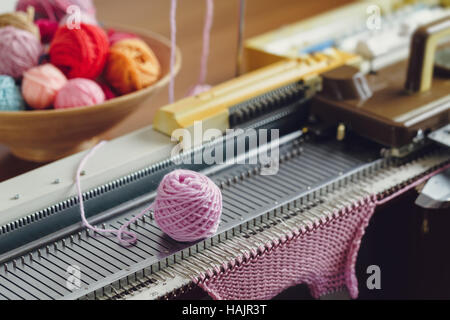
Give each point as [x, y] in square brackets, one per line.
[19, 51]
[79, 92]
[72, 129]
[41, 84]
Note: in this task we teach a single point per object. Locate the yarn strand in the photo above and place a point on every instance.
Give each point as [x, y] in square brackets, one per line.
[201, 86]
[131, 237]
[206, 41]
[173, 36]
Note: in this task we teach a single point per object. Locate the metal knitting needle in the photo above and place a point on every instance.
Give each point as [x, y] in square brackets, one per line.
[191, 267]
[178, 271]
[199, 265]
[240, 48]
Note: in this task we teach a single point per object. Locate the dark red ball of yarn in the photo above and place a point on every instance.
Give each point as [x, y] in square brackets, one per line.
[109, 93]
[47, 29]
[80, 53]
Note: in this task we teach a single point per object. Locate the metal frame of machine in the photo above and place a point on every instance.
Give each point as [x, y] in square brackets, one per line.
[40, 230]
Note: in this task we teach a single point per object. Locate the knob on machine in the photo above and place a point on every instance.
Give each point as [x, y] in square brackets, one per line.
[393, 104]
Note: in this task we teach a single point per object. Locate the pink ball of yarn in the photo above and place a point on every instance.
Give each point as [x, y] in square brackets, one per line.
[47, 29]
[79, 92]
[19, 51]
[188, 206]
[40, 85]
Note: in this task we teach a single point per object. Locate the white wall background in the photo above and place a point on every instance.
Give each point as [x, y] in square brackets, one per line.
[7, 5]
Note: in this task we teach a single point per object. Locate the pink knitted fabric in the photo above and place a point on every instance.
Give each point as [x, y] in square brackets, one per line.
[321, 256]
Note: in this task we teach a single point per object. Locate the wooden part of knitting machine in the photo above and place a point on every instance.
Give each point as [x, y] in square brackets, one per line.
[402, 102]
[212, 107]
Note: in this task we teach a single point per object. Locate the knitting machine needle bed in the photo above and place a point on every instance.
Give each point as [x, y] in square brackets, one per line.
[305, 167]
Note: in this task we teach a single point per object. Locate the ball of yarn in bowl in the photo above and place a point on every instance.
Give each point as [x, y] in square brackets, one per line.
[55, 9]
[10, 97]
[131, 66]
[115, 36]
[188, 206]
[20, 20]
[109, 93]
[40, 85]
[80, 53]
[47, 29]
[19, 51]
[79, 92]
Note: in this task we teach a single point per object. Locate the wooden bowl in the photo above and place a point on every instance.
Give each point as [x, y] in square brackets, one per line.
[47, 135]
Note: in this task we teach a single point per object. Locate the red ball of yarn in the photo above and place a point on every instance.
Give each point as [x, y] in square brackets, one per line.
[80, 53]
[47, 29]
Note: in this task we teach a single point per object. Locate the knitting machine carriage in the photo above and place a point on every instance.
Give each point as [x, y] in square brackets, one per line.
[43, 243]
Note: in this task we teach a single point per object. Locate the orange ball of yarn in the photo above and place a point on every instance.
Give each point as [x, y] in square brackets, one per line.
[131, 66]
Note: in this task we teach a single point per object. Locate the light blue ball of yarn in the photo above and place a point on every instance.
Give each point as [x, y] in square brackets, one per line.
[10, 97]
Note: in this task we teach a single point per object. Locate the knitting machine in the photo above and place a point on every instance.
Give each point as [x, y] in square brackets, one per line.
[332, 148]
